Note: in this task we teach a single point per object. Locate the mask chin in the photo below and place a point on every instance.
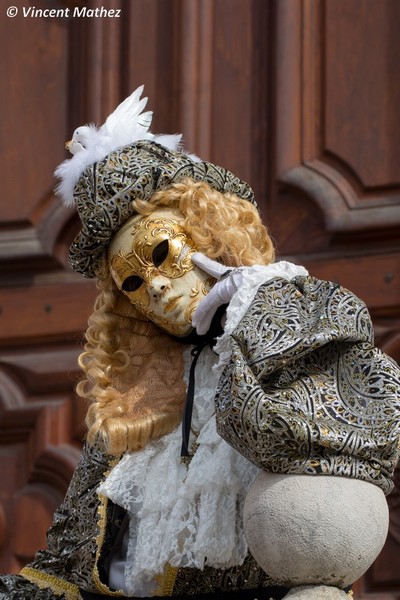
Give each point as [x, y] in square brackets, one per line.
[178, 332]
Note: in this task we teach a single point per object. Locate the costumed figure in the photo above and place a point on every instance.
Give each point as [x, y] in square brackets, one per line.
[205, 363]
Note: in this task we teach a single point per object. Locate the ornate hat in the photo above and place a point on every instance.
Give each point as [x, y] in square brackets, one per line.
[119, 162]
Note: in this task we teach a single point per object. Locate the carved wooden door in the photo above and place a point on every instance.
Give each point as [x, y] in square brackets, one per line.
[298, 97]
[334, 201]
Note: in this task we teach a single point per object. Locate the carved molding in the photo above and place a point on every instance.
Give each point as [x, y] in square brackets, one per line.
[40, 435]
[37, 402]
[338, 201]
[55, 467]
[37, 242]
[12, 395]
[304, 160]
[37, 500]
[41, 368]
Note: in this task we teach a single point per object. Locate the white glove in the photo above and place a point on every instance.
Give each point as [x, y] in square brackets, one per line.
[229, 281]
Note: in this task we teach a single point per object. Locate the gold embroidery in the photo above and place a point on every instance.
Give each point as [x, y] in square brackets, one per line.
[45, 580]
[102, 521]
[166, 581]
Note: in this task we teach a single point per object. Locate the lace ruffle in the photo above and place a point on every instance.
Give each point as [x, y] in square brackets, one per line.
[187, 516]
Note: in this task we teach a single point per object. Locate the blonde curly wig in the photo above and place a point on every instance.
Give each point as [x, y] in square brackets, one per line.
[133, 374]
[225, 228]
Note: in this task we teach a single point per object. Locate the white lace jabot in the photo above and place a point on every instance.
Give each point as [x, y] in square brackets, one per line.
[184, 516]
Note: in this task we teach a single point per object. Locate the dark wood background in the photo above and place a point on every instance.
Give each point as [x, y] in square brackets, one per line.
[298, 97]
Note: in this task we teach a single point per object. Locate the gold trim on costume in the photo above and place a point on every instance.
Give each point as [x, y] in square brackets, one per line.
[45, 580]
[102, 587]
[166, 581]
[102, 521]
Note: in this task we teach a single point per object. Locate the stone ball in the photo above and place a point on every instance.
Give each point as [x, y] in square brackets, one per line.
[319, 530]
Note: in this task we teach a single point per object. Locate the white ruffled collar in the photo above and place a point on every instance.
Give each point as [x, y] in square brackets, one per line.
[182, 515]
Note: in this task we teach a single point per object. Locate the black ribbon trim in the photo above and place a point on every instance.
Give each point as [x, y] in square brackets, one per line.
[187, 415]
[200, 342]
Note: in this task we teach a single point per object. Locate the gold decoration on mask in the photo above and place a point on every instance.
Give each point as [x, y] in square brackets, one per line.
[150, 232]
[150, 261]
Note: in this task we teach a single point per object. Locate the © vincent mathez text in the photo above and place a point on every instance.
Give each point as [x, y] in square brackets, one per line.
[77, 11]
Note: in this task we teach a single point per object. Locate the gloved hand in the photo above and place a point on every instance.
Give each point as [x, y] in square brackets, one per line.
[229, 280]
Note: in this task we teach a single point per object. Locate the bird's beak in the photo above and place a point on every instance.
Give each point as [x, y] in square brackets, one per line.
[68, 144]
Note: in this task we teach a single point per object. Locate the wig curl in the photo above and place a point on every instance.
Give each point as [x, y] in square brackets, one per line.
[133, 374]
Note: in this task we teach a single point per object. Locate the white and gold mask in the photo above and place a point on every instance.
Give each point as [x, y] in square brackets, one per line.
[150, 262]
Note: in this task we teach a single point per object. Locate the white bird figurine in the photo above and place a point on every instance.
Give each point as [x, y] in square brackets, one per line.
[89, 144]
[126, 124]
[81, 138]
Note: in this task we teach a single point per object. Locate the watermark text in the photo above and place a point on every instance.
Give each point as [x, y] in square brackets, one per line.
[77, 12]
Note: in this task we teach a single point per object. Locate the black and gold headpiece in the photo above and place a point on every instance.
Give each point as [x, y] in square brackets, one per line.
[121, 162]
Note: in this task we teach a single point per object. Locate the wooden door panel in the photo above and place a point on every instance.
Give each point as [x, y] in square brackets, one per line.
[336, 130]
[335, 200]
[43, 307]
[362, 94]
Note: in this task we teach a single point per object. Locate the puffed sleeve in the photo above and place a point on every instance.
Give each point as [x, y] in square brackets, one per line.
[305, 390]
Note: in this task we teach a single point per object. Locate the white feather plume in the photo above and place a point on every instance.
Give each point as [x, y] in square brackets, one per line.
[89, 144]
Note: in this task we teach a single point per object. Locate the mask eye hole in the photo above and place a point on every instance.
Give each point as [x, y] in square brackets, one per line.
[132, 283]
[160, 253]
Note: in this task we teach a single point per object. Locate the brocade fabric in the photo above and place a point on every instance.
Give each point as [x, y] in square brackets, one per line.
[106, 189]
[305, 390]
